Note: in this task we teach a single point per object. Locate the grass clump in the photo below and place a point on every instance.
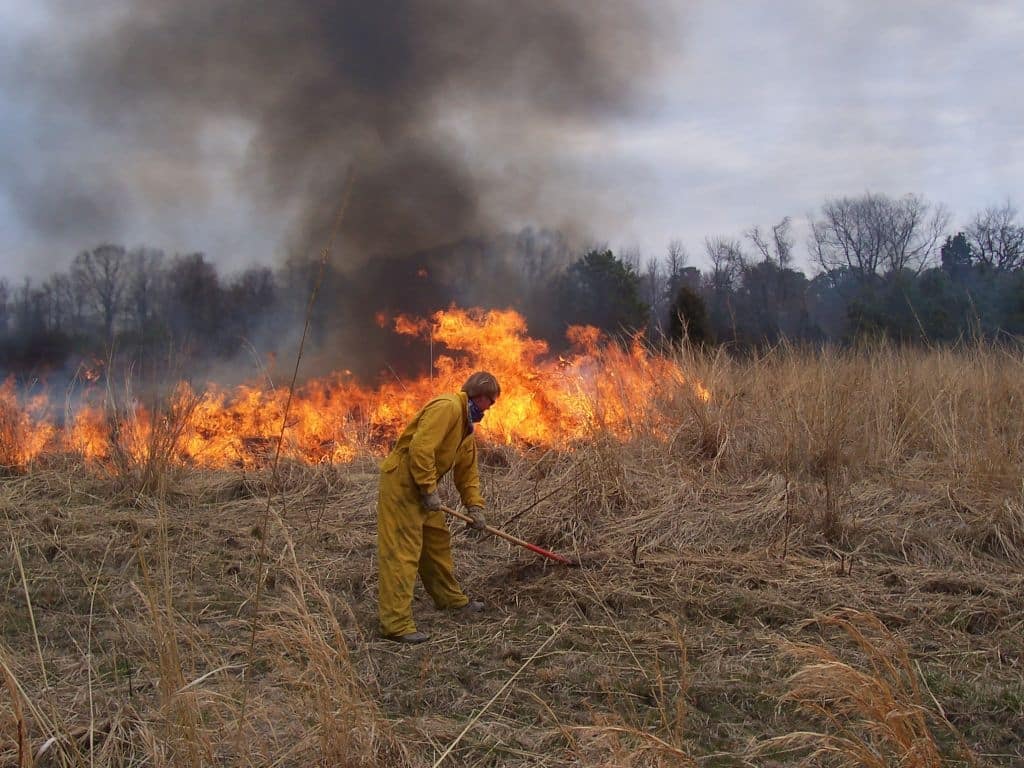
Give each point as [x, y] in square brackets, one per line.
[874, 712]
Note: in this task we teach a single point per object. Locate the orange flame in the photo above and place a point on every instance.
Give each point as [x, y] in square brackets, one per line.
[544, 401]
[24, 432]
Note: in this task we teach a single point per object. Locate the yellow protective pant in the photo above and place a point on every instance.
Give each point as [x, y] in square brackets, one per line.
[411, 540]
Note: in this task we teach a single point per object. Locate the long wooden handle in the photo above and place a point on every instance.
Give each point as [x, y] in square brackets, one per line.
[510, 538]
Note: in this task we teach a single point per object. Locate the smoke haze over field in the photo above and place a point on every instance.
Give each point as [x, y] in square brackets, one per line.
[445, 111]
[227, 127]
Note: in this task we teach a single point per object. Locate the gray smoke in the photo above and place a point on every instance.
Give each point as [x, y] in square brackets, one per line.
[445, 111]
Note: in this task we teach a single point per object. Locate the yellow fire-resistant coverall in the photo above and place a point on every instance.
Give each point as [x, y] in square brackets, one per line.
[410, 538]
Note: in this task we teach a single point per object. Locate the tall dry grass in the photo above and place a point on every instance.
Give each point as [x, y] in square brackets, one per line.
[142, 452]
[837, 421]
[949, 411]
[874, 712]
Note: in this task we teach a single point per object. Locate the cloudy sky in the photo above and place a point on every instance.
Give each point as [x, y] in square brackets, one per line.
[664, 120]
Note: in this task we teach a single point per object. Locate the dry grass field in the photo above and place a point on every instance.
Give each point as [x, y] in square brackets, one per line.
[821, 565]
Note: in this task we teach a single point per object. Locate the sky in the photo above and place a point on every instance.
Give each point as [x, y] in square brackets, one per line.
[702, 121]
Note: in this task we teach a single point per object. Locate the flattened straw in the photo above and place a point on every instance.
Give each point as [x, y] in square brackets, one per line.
[24, 748]
[28, 603]
[659, 744]
[35, 636]
[495, 697]
[88, 651]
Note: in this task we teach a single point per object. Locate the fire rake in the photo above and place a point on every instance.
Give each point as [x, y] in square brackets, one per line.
[513, 539]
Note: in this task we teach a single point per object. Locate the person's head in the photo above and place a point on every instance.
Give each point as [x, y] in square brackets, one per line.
[483, 390]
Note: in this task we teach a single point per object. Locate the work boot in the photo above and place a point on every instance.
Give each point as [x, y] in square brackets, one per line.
[412, 638]
[473, 606]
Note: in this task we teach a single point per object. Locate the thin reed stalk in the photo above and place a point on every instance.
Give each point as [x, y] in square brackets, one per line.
[260, 577]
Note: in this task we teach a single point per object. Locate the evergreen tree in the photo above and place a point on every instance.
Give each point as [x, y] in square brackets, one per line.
[602, 290]
[688, 320]
[957, 256]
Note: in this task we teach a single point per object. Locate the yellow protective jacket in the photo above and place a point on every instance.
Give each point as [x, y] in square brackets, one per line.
[410, 539]
[437, 440]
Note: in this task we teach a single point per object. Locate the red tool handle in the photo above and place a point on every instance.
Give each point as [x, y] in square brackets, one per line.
[515, 540]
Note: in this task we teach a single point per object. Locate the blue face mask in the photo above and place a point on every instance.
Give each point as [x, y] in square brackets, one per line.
[475, 414]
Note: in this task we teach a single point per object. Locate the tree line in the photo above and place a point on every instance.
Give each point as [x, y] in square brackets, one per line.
[135, 302]
[883, 267]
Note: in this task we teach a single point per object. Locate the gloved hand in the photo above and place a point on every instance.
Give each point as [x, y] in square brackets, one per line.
[431, 501]
[479, 521]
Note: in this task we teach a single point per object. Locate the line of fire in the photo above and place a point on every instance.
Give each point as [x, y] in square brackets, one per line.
[547, 400]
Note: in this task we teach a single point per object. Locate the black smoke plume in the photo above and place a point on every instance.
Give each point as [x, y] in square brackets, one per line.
[451, 116]
[385, 88]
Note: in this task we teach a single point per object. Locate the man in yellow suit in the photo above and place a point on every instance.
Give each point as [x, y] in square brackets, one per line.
[411, 532]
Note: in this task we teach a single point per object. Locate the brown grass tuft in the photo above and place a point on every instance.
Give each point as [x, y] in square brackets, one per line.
[873, 712]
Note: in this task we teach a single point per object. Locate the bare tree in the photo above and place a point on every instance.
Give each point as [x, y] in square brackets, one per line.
[195, 301]
[874, 234]
[727, 262]
[145, 272]
[652, 291]
[101, 275]
[996, 239]
[915, 228]
[783, 243]
[20, 306]
[67, 302]
[771, 287]
[46, 306]
[849, 236]
[29, 309]
[780, 249]
[676, 257]
[251, 300]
